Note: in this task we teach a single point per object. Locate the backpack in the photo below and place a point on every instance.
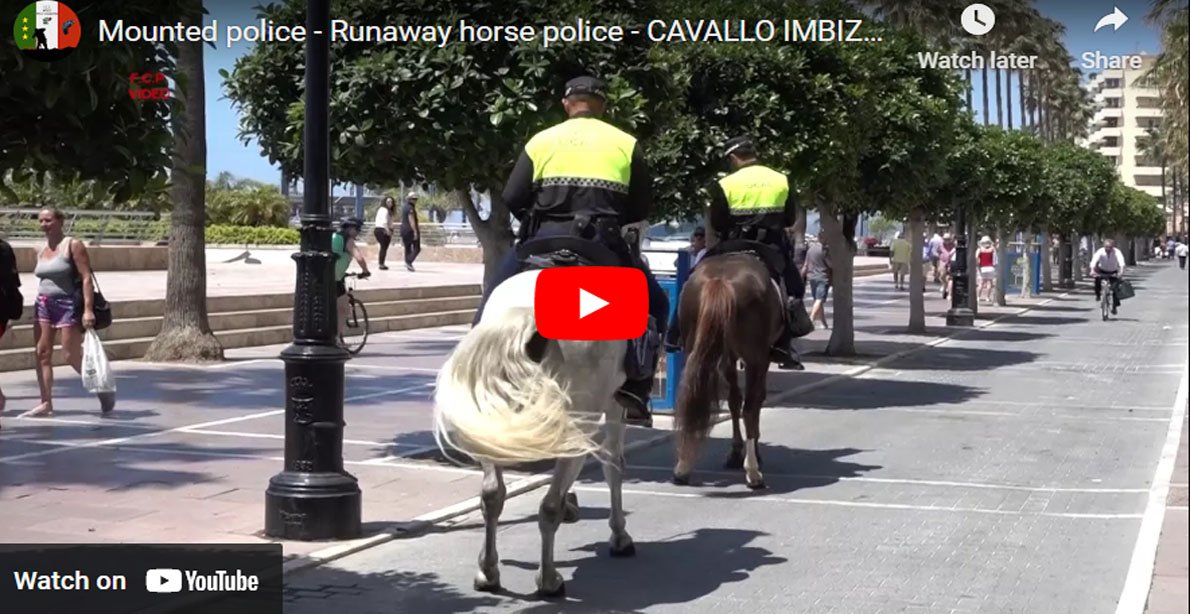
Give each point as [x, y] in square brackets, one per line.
[12, 303]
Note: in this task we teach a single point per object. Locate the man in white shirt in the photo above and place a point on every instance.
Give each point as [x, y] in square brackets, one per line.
[1107, 262]
[1181, 251]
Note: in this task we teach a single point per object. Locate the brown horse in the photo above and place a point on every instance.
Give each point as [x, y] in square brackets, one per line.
[733, 309]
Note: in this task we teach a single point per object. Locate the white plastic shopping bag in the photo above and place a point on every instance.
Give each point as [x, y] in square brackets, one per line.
[97, 371]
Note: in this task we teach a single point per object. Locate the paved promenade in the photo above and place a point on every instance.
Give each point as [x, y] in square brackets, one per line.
[268, 271]
[977, 474]
[1009, 470]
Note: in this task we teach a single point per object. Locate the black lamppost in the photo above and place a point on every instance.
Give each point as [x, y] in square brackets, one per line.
[960, 313]
[1066, 271]
[313, 497]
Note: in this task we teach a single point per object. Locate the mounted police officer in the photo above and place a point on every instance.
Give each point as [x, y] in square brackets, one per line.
[756, 203]
[587, 178]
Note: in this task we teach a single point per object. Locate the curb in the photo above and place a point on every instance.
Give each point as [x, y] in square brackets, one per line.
[467, 506]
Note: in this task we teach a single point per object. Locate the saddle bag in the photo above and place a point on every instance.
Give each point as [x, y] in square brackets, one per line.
[1124, 290]
[800, 324]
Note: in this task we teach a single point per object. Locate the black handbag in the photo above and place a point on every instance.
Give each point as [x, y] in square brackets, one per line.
[1124, 290]
[99, 305]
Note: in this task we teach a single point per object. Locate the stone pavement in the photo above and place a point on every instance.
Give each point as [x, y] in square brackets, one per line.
[270, 271]
[1006, 470]
[189, 451]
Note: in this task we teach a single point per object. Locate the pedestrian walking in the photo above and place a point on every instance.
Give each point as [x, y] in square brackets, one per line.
[1182, 251]
[410, 230]
[65, 302]
[934, 253]
[383, 230]
[898, 258]
[12, 303]
[986, 261]
[819, 273]
[945, 255]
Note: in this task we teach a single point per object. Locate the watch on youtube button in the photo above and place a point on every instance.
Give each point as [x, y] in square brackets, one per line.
[591, 303]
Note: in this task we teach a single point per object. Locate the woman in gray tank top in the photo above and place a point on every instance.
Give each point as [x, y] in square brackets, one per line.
[65, 299]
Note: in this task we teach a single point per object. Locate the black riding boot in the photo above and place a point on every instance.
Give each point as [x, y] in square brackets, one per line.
[785, 355]
[634, 397]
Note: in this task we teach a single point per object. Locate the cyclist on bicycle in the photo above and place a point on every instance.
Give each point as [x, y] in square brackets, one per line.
[345, 250]
[1108, 262]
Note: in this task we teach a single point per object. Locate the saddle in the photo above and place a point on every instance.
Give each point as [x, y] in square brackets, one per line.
[767, 254]
[564, 251]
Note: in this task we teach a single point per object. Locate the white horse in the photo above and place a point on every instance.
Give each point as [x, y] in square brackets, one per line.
[506, 396]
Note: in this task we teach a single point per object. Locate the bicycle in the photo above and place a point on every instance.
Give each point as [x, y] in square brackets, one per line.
[354, 333]
[1107, 299]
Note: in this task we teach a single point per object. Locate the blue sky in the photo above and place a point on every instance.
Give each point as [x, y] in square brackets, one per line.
[226, 153]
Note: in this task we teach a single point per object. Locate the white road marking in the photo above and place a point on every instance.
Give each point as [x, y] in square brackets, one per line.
[866, 504]
[946, 483]
[1144, 556]
[189, 427]
[354, 442]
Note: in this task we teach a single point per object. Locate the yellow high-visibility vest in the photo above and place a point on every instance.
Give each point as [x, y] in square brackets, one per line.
[582, 152]
[755, 190]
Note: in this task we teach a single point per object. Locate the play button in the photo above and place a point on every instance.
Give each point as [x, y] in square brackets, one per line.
[589, 303]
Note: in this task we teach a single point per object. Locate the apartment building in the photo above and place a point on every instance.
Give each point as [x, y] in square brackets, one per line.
[1125, 111]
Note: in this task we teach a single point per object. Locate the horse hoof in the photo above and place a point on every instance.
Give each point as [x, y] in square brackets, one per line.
[570, 509]
[554, 589]
[734, 462]
[759, 485]
[487, 584]
[681, 480]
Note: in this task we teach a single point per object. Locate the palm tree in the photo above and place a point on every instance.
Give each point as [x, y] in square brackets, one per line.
[1170, 75]
[185, 330]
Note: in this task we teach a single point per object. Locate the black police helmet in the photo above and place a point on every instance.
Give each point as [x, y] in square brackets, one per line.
[586, 86]
[351, 222]
[739, 145]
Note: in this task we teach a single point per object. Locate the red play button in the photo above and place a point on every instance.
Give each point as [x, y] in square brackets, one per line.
[591, 303]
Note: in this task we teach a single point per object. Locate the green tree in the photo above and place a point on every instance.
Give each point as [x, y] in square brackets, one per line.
[456, 115]
[74, 118]
[186, 333]
[247, 205]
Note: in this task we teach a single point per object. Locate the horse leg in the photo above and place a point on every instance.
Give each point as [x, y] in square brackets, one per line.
[757, 379]
[620, 544]
[735, 458]
[549, 581]
[491, 501]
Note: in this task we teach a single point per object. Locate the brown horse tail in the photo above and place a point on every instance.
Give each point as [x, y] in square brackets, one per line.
[698, 398]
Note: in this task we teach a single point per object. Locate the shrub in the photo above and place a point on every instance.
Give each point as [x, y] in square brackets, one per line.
[248, 205]
[251, 235]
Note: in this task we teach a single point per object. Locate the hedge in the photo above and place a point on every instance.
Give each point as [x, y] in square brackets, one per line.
[157, 230]
[252, 235]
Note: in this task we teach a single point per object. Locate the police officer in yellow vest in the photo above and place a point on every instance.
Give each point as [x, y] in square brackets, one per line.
[588, 178]
[756, 203]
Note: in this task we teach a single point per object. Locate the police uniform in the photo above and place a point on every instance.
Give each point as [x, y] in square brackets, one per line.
[756, 203]
[588, 178]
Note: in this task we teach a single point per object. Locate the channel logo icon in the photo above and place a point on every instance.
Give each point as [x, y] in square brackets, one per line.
[591, 303]
[163, 580]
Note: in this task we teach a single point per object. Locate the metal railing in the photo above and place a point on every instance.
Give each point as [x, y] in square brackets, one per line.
[95, 227]
[451, 234]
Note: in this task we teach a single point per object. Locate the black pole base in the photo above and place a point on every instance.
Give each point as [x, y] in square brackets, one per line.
[312, 506]
[960, 316]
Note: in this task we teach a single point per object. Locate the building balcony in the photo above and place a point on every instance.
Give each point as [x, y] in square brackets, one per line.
[1100, 132]
[1107, 112]
[1109, 92]
[1147, 112]
[1151, 190]
[1147, 171]
[1105, 151]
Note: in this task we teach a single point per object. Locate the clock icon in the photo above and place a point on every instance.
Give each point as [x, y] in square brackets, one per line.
[978, 19]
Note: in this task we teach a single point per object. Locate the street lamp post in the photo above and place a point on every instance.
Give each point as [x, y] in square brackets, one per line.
[960, 313]
[313, 497]
[1066, 273]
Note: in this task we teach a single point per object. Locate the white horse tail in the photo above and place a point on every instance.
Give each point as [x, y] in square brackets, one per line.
[495, 403]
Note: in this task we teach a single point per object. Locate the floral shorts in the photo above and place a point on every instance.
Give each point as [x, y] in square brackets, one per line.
[59, 311]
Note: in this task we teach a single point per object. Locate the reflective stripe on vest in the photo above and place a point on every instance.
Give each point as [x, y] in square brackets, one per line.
[755, 189]
[582, 152]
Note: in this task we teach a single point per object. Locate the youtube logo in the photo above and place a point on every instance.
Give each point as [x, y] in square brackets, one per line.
[591, 303]
[163, 580]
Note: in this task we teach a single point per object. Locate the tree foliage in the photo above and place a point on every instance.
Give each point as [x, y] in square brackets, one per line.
[74, 118]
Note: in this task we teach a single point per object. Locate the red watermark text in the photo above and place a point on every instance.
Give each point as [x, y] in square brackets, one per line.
[148, 86]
